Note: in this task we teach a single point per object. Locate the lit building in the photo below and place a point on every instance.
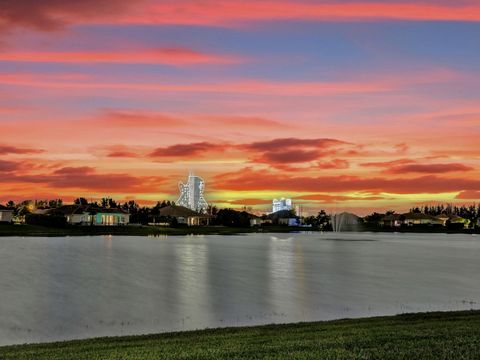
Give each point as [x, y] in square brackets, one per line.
[191, 194]
[281, 204]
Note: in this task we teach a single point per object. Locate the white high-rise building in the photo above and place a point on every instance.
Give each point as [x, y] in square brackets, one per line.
[281, 204]
[191, 194]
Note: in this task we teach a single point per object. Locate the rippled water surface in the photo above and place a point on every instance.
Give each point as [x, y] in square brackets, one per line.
[78, 287]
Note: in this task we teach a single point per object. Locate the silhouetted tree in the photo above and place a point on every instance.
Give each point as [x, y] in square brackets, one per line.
[80, 201]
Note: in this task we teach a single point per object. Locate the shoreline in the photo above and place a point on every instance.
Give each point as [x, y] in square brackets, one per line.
[430, 335]
[41, 231]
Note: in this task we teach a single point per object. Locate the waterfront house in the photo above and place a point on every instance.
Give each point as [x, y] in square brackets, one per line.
[291, 221]
[92, 215]
[443, 218]
[75, 214]
[393, 220]
[110, 217]
[412, 219]
[455, 220]
[6, 214]
[184, 215]
[258, 220]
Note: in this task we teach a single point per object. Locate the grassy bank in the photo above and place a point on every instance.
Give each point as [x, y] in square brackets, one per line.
[450, 335]
[33, 230]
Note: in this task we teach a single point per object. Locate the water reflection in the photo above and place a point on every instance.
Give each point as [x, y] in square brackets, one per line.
[63, 288]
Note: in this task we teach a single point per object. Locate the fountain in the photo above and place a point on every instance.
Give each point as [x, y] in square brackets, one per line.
[344, 221]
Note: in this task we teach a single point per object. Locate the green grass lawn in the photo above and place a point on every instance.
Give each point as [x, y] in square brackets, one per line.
[449, 335]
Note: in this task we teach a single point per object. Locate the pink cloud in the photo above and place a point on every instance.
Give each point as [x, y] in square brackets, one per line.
[190, 151]
[165, 56]
[50, 15]
[9, 149]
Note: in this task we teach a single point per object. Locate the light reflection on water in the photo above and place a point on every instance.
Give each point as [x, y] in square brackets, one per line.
[77, 287]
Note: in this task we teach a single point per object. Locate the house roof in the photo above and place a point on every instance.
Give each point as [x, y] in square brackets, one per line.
[419, 216]
[392, 217]
[4, 208]
[456, 218]
[81, 209]
[70, 209]
[107, 210]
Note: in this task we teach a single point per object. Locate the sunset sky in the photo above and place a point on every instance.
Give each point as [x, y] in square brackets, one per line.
[338, 104]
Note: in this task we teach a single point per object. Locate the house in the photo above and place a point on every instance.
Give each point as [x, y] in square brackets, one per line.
[184, 215]
[392, 220]
[259, 221]
[75, 214]
[6, 214]
[458, 222]
[412, 219]
[110, 217]
[443, 218]
[284, 217]
[291, 221]
[455, 220]
[92, 215]
[256, 220]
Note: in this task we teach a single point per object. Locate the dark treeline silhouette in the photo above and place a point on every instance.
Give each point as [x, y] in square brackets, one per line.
[233, 218]
[321, 221]
[144, 214]
[471, 212]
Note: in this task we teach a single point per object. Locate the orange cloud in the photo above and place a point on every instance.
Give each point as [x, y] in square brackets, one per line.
[254, 180]
[334, 164]
[82, 178]
[246, 202]
[469, 195]
[405, 166]
[293, 150]
[8, 166]
[429, 168]
[122, 154]
[387, 164]
[334, 198]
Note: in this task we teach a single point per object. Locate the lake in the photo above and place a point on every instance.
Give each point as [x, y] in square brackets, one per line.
[80, 287]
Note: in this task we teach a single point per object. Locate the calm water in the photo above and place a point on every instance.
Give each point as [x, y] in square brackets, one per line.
[77, 287]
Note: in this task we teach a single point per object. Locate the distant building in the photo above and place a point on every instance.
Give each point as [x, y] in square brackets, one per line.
[6, 214]
[191, 194]
[281, 204]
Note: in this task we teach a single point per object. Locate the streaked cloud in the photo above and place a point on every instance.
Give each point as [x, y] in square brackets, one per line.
[162, 56]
